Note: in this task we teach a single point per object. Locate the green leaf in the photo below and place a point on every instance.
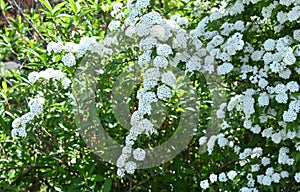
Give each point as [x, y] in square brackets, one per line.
[59, 6]
[4, 86]
[74, 6]
[107, 185]
[35, 53]
[3, 123]
[47, 5]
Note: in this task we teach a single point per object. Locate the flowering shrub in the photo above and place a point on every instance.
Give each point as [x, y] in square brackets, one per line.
[247, 138]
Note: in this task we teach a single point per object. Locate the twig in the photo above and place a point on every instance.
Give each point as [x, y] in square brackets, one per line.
[14, 4]
[25, 166]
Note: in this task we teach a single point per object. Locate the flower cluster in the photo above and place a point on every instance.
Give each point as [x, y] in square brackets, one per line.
[19, 124]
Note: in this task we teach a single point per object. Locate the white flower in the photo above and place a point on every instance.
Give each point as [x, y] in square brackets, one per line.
[285, 2]
[289, 59]
[152, 73]
[127, 150]
[147, 126]
[256, 129]
[222, 141]
[36, 105]
[282, 17]
[255, 168]
[217, 40]
[144, 108]
[164, 50]
[297, 177]
[51, 46]
[292, 86]
[294, 14]
[283, 158]
[149, 97]
[289, 116]
[26, 118]
[211, 144]
[147, 43]
[69, 60]
[169, 79]
[296, 34]
[202, 140]
[276, 137]
[262, 82]
[215, 15]
[139, 154]
[22, 132]
[236, 149]
[270, 171]
[70, 47]
[222, 177]
[192, 65]
[280, 88]
[284, 174]
[267, 180]
[257, 55]
[55, 47]
[33, 77]
[164, 92]
[276, 177]
[263, 99]
[204, 184]
[66, 82]
[130, 167]
[140, 4]
[281, 98]
[297, 146]
[16, 123]
[269, 44]
[144, 58]
[47, 74]
[251, 183]
[121, 172]
[231, 174]
[136, 117]
[265, 161]
[57, 75]
[268, 58]
[160, 61]
[114, 25]
[224, 68]
[213, 178]
[267, 132]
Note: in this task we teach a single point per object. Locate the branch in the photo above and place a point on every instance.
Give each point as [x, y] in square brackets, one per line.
[14, 4]
[26, 166]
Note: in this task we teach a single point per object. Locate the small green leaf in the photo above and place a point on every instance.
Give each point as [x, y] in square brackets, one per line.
[35, 53]
[107, 185]
[4, 86]
[59, 6]
[47, 5]
[74, 6]
[3, 123]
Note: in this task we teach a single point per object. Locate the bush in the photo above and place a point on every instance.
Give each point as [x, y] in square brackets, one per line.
[235, 62]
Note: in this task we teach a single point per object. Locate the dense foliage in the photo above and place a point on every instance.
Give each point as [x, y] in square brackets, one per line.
[242, 57]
